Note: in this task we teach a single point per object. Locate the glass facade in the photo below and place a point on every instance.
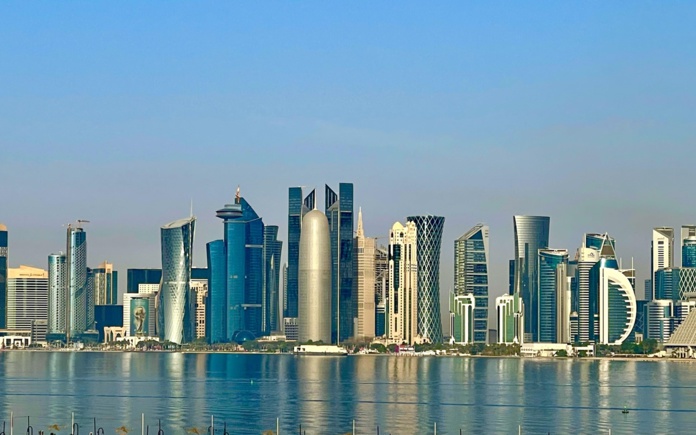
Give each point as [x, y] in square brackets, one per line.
[553, 266]
[107, 315]
[471, 276]
[429, 241]
[216, 306]
[78, 287]
[57, 294]
[105, 285]
[339, 211]
[531, 234]
[176, 313]
[297, 208]
[617, 306]
[272, 250]
[3, 276]
[135, 277]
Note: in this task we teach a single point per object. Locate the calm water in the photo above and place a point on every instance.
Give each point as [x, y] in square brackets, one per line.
[401, 395]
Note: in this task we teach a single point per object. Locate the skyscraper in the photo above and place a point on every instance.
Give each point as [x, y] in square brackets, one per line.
[57, 296]
[105, 284]
[661, 253]
[339, 212]
[510, 310]
[617, 306]
[531, 234]
[76, 274]
[462, 309]
[554, 303]
[216, 304]
[429, 240]
[297, 208]
[585, 259]
[272, 250]
[401, 318]
[176, 313]
[688, 245]
[471, 276]
[138, 277]
[364, 281]
[252, 253]
[314, 279]
[3, 276]
[27, 298]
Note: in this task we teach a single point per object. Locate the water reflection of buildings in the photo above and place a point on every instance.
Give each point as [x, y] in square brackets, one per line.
[324, 398]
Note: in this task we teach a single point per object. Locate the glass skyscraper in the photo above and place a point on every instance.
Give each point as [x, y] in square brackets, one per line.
[531, 234]
[3, 276]
[135, 277]
[176, 312]
[429, 241]
[553, 285]
[216, 305]
[471, 276]
[78, 287]
[339, 211]
[105, 284]
[297, 208]
[272, 250]
[57, 295]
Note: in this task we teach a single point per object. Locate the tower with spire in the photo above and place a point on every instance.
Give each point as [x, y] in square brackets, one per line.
[363, 283]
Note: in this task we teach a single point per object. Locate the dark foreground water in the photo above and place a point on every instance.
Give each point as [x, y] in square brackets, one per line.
[401, 395]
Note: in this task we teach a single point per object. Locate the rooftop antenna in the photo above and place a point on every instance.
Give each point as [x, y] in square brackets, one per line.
[237, 196]
[191, 215]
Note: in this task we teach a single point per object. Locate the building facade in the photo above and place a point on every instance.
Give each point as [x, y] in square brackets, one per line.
[57, 294]
[661, 253]
[139, 314]
[314, 279]
[27, 298]
[659, 322]
[298, 206]
[429, 242]
[510, 311]
[688, 245]
[3, 275]
[339, 212]
[402, 298]
[471, 276]
[199, 287]
[105, 284]
[136, 277]
[617, 306]
[531, 234]
[176, 303]
[80, 303]
[553, 291]
[364, 277]
[462, 309]
[272, 251]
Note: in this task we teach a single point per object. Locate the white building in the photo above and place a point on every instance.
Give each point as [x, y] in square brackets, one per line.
[617, 306]
[364, 282]
[402, 297]
[27, 299]
[200, 288]
[661, 253]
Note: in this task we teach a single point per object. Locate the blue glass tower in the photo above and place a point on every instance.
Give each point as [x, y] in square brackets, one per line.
[176, 312]
[135, 277]
[471, 276]
[3, 276]
[428, 243]
[216, 305]
[272, 250]
[297, 208]
[77, 283]
[531, 234]
[339, 211]
[552, 285]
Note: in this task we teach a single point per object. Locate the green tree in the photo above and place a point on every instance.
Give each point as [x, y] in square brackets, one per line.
[392, 348]
[379, 347]
[649, 346]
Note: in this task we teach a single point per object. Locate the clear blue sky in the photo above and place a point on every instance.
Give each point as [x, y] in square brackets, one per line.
[120, 113]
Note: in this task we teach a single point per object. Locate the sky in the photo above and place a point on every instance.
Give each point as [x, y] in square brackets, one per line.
[124, 113]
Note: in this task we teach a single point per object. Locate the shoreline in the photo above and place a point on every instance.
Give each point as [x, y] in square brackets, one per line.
[559, 359]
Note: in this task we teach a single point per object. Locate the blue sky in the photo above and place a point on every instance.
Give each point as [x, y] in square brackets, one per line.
[121, 113]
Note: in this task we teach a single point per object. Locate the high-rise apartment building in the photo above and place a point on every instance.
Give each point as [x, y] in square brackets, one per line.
[298, 206]
[471, 277]
[176, 304]
[661, 253]
[314, 279]
[659, 320]
[199, 287]
[80, 302]
[364, 280]
[339, 212]
[531, 234]
[27, 299]
[429, 240]
[554, 295]
[688, 245]
[57, 295]
[105, 284]
[401, 318]
[3, 276]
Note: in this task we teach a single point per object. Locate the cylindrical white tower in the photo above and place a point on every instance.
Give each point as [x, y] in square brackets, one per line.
[314, 316]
